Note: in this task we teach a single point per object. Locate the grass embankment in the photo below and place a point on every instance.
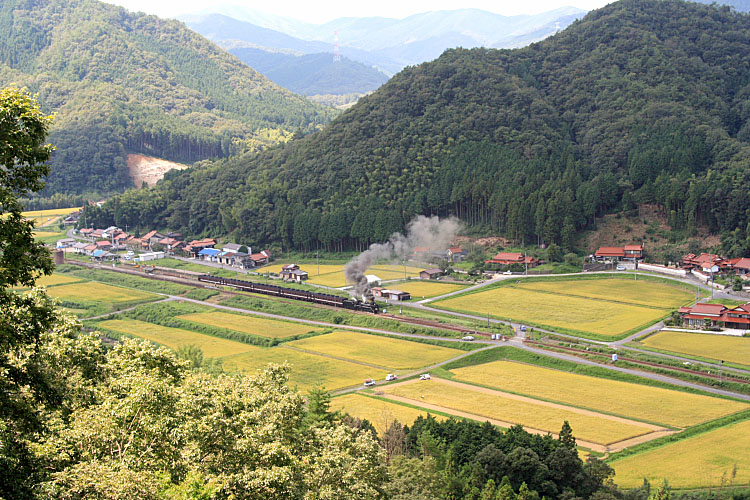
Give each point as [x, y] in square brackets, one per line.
[587, 306]
[87, 299]
[126, 280]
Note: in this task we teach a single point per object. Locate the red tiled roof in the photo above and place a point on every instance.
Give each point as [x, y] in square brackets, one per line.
[638, 248]
[104, 243]
[610, 252]
[455, 249]
[87, 230]
[702, 308]
[90, 247]
[743, 263]
[258, 256]
[149, 235]
[509, 256]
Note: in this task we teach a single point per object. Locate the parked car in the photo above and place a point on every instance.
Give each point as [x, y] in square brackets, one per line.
[369, 382]
[424, 376]
[390, 377]
[468, 338]
[620, 267]
[523, 328]
[508, 272]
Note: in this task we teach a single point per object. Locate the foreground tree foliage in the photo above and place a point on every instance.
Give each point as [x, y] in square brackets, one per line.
[640, 102]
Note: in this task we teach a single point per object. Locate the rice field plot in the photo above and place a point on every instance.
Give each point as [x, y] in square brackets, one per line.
[587, 426]
[307, 370]
[48, 237]
[700, 461]
[378, 412]
[578, 315]
[252, 325]
[53, 212]
[426, 289]
[174, 338]
[647, 293]
[716, 347]
[56, 279]
[387, 352]
[99, 292]
[651, 404]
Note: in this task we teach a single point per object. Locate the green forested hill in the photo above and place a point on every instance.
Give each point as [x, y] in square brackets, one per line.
[640, 102]
[122, 82]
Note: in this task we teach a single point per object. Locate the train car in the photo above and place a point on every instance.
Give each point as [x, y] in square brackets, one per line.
[291, 293]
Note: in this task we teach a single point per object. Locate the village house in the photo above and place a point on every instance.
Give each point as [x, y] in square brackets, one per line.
[89, 249]
[261, 258]
[705, 262]
[209, 254]
[65, 243]
[385, 293]
[740, 265]
[612, 254]
[86, 232]
[510, 258]
[430, 274]
[78, 247]
[294, 274]
[701, 315]
[455, 254]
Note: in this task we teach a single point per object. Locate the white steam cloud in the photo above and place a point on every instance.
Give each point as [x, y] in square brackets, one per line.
[430, 233]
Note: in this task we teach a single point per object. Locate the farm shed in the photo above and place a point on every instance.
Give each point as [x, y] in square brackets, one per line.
[429, 274]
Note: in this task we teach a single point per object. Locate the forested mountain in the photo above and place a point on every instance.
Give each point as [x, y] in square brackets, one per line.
[313, 74]
[640, 102]
[130, 83]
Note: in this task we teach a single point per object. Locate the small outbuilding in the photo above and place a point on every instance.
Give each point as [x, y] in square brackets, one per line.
[431, 274]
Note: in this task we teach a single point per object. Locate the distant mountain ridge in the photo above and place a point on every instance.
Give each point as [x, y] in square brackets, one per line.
[389, 44]
[125, 83]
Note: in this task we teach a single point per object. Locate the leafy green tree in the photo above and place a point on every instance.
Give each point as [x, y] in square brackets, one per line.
[23, 319]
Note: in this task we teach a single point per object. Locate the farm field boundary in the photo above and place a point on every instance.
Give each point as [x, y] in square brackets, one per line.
[703, 346]
[510, 353]
[598, 320]
[696, 461]
[380, 412]
[608, 435]
[661, 406]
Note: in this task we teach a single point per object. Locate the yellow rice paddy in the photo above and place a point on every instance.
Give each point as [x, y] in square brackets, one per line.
[581, 314]
[719, 347]
[253, 325]
[308, 370]
[653, 404]
[426, 289]
[98, 292]
[379, 413]
[174, 338]
[380, 351]
[647, 293]
[697, 462]
[538, 416]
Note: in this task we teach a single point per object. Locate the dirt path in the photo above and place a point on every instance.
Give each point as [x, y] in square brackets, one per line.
[655, 431]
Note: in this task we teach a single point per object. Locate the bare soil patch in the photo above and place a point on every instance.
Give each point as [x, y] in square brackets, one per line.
[149, 170]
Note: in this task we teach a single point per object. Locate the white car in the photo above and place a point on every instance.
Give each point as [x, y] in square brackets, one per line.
[468, 338]
[508, 272]
[369, 382]
[620, 268]
[424, 376]
[390, 377]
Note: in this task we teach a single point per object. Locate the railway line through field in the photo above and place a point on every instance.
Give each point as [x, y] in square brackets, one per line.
[519, 342]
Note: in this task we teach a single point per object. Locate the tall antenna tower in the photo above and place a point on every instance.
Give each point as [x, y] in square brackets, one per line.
[336, 51]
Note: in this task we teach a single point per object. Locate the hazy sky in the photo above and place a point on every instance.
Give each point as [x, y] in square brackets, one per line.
[325, 10]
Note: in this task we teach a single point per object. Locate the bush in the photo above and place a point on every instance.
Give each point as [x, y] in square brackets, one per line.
[572, 259]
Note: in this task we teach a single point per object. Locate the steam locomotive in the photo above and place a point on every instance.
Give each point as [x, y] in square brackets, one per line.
[290, 293]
